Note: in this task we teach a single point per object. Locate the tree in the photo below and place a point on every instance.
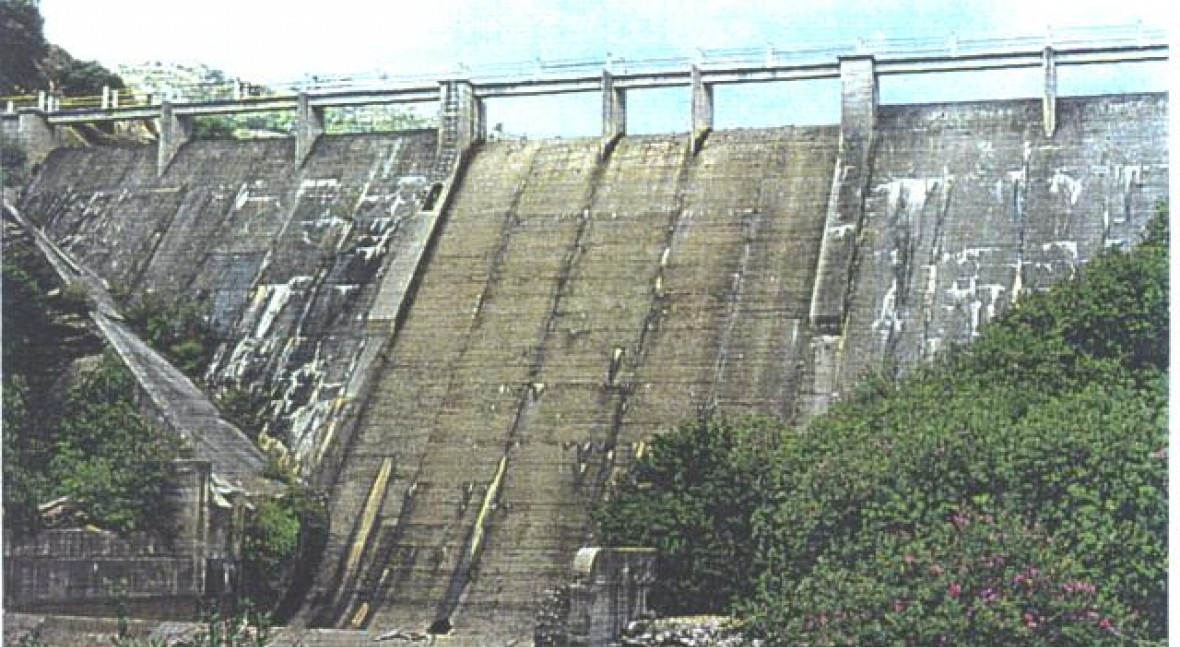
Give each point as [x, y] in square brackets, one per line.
[108, 458]
[25, 47]
[692, 496]
[1011, 493]
[76, 78]
[24, 487]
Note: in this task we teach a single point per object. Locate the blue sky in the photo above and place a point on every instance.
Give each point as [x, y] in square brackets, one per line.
[272, 41]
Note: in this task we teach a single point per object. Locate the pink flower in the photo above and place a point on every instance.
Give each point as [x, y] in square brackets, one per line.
[910, 559]
[1106, 624]
[955, 589]
[1030, 620]
[1078, 587]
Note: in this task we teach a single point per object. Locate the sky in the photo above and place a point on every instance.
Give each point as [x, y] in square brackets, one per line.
[275, 41]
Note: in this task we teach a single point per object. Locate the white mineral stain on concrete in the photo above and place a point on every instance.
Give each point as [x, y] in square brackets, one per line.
[1060, 182]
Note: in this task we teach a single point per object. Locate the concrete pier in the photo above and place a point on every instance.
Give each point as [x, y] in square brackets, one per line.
[614, 113]
[175, 130]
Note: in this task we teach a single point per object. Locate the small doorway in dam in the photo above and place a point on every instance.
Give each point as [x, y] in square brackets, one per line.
[432, 196]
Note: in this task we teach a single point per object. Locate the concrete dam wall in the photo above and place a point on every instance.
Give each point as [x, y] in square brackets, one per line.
[567, 308]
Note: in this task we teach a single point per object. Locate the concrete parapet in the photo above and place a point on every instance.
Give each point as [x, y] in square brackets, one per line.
[609, 590]
[309, 125]
[859, 99]
[175, 130]
[702, 110]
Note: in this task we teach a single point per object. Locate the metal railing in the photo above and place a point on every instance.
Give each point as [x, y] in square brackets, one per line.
[658, 62]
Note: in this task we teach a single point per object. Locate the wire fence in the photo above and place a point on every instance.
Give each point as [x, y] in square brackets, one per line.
[1098, 37]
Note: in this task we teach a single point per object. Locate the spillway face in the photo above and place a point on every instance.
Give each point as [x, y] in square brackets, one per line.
[284, 260]
[971, 204]
[464, 412]
[570, 309]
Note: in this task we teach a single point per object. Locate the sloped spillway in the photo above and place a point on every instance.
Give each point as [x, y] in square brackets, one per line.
[569, 308]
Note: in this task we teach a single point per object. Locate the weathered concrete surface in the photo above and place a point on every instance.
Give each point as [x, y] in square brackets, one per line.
[169, 398]
[287, 260]
[87, 571]
[571, 307]
[971, 204]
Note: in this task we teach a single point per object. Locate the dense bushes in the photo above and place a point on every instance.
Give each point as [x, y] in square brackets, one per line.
[70, 429]
[692, 497]
[1013, 493]
[100, 452]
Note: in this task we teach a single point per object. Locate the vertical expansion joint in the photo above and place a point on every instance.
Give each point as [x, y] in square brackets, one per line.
[1049, 98]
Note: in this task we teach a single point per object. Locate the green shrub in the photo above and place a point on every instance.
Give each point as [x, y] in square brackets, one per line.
[106, 457]
[177, 328]
[1012, 492]
[692, 496]
[281, 536]
[1052, 424]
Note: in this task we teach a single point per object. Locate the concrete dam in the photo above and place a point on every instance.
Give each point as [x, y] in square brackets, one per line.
[465, 360]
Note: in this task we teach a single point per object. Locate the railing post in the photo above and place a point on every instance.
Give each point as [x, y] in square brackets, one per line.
[614, 114]
[702, 110]
[1049, 98]
[106, 97]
